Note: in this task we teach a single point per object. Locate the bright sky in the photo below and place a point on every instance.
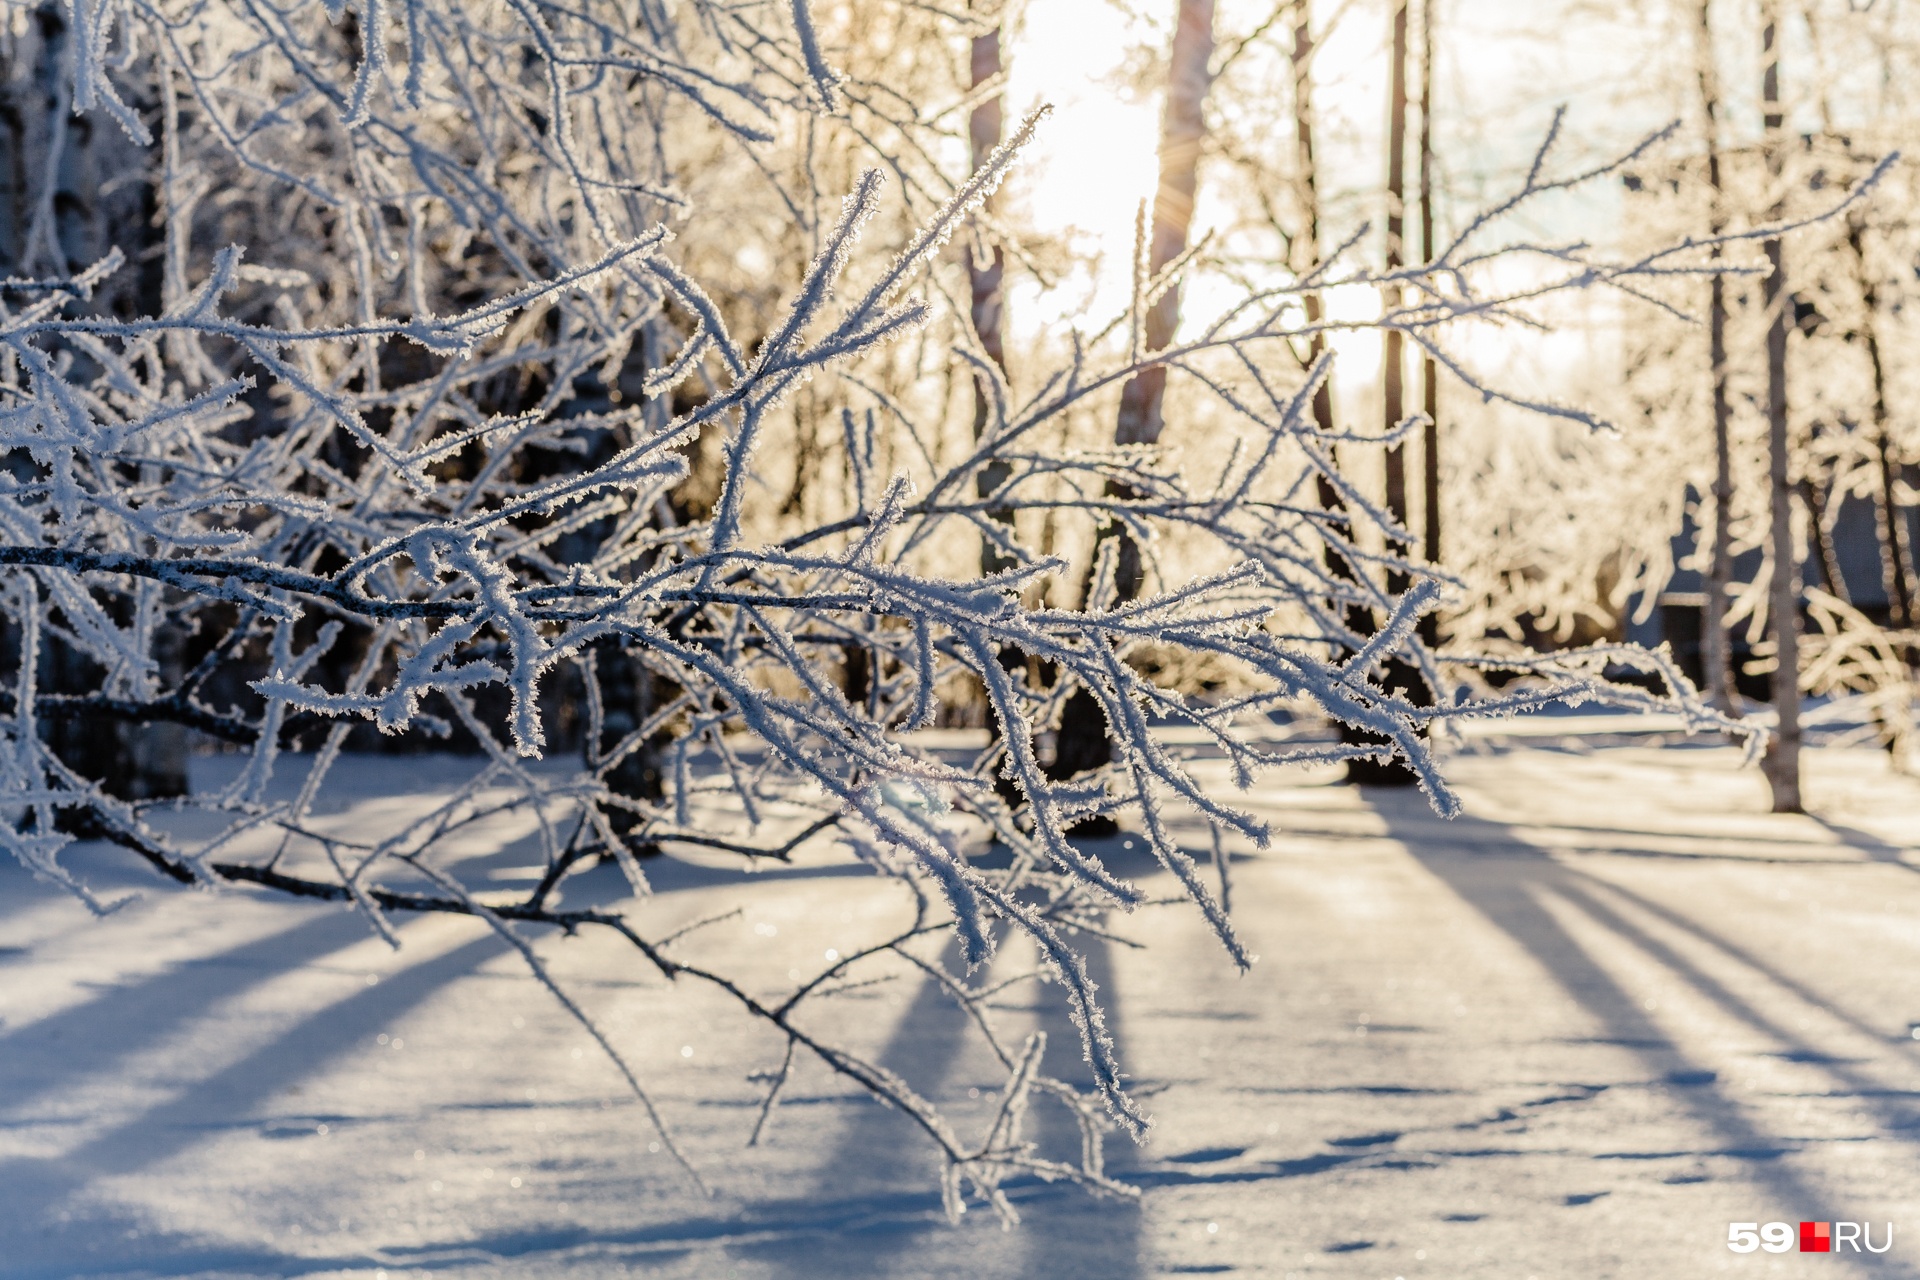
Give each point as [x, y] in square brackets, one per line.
[1094, 160]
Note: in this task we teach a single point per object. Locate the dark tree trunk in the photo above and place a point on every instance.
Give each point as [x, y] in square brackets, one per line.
[67, 203]
[627, 697]
[1393, 364]
[986, 280]
[1896, 553]
[1429, 368]
[1305, 243]
[133, 760]
[1832, 580]
[1182, 134]
[1716, 652]
[987, 275]
[1082, 742]
[629, 692]
[1396, 672]
[1305, 248]
[1782, 762]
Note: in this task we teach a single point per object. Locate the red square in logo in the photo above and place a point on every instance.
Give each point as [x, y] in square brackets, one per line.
[1816, 1237]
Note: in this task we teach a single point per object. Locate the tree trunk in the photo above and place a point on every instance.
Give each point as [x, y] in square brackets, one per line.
[986, 280]
[1082, 742]
[1305, 245]
[1305, 248]
[1896, 556]
[629, 692]
[1782, 763]
[1429, 368]
[1182, 132]
[1396, 672]
[1393, 364]
[1716, 652]
[626, 692]
[63, 206]
[986, 273]
[1825, 558]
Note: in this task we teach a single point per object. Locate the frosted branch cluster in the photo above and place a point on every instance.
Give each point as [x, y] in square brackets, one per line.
[368, 453]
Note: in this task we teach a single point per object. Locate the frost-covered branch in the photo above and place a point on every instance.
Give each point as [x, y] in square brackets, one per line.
[471, 445]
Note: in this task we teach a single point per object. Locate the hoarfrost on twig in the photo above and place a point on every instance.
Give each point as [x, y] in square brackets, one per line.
[361, 510]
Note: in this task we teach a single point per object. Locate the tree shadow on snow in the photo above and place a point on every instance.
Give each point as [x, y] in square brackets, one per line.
[1510, 889]
[893, 1225]
[98, 1036]
[50, 1224]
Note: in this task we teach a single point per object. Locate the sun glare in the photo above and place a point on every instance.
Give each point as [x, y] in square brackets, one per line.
[1096, 157]
[1094, 160]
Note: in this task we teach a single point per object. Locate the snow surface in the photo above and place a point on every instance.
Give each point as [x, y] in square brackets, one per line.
[1573, 1033]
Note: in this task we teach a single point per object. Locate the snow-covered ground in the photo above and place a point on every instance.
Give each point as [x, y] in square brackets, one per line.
[1574, 1033]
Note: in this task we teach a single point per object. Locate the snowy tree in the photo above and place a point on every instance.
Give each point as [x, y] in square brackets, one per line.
[1792, 380]
[452, 395]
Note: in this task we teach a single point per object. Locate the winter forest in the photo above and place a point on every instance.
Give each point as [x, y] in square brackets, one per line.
[1057, 638]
